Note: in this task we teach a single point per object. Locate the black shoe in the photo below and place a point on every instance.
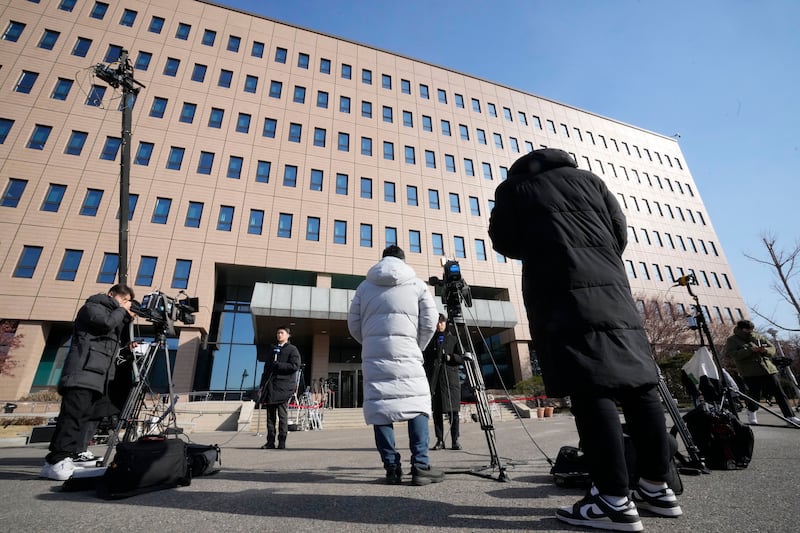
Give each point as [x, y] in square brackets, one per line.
[282, 445]
[394, 475]
[661, 502]
[268, 446]
[438, 446]
[455, 446]
[594, 511]
[425, 475]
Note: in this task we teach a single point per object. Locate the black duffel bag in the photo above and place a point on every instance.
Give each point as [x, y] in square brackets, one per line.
[148, 464]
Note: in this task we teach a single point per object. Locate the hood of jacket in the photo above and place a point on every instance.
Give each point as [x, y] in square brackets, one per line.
[390, 271]
[540, 161]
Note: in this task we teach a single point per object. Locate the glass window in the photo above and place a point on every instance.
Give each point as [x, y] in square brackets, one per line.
[433, 199]
[412, 198]
[449, 163]
[387, 114]
[111, 148]
[446, 128]
[5, 129]
[194, 215]
[405, 86]
[430, 159]
[61, 89]
[455, 203]
[270, 125]
[285, 225]
[156, 25]
[225, 78]
[414, 242]
[442, 94]
[171, 67]
[366, 188]
[492, 109]
[69, 265]
[290, 176]
[180, 276]
[386, 81]
[469, 167]
[147, 270]
[243, 123]
[143, 60]
[476, 105]
[99, 10]
[258, 49]
[487, 171]
[206, 163]
[388, 150]
[280, 55]
[322, 99]
[347, 71]
[474, 206]
[437, 244]
[366, 109]
[365, 235]
[366, 146]
[199, 72]
[410, 155]
[423, 91]
[299, 94]
[235, 167]
[76, 141]
[344, 142]
[175, 159]
[460, 249]
[55, 194]
[13, 31]
[339, 232]
[143, 154]
[427, 123]
[275, 88]
[344, 104]
[312, 229]
[390, 236]
[480, 250]
[463, 132]
[498, 140]
[341, 184]
[183, 31]
[408, 119]
[233, 43]
[108, 268]
[295, 132]
[28, 260]
[39, 137]
[187, 112]
[225, 219]
[389, 192]
[67, 5]
[81, 48]
[48, 40]
[13, 192]
[459, 101]
[263, 169]
[26, 82]
[133, 199]
[250, 84]
[255, 224]
[215, 117]
[316, 180]
[161, 211]
[302, 60]
[95, 96]
[366, 76]
[325, 66]
[319, 137]
[209, 36]
[128, 18]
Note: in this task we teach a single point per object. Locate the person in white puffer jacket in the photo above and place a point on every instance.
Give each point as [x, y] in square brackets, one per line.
[393, 316]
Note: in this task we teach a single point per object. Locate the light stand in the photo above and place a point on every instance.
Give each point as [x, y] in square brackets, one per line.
[122, 77]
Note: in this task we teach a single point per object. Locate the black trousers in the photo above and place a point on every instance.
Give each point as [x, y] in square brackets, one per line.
[69, 437]
[277, 412]
[769, 386]
[600, 432]
[438, 425]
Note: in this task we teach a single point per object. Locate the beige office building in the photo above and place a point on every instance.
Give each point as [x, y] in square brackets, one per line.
[270, 166]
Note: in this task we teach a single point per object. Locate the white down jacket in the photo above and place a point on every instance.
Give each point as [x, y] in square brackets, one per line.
[394, 317]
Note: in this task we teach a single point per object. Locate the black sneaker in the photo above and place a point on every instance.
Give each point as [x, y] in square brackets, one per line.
[455, 446]
[268, 446]
[594, 511]
[394, 475]
[660, 502]
[438, 446]
[425, 475]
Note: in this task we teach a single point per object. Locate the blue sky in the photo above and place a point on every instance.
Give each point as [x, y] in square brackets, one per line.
[721, 73]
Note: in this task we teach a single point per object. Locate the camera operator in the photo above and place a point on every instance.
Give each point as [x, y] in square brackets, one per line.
[90, 365]
[752, 355]
[442, 359]
[569, 231]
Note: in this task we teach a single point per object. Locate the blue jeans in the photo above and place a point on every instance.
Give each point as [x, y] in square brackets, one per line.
[417, 437]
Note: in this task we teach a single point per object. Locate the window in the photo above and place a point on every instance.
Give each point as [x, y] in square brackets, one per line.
[26, 81]
[199, 72]
[339, 232]
[424, 92]
[5, 129]
[225, 218]
[366, 188]
[13, 193]
[187, 112]
[183, 31]
[81, 48]
[437, 244]
[243, 123]
[390, 236]
[481, 135]
[366, 109]
[13, 31]
[312, 229]
[302, 60]
[386, 81]
[67, 5]
[111, 148]
[255, 224]
[469, 167]
[433, 199]
[388, 150]
[233, 43]
[290, 176]
[319, 137]
[143, 154]
[270, 125]
[515, 146]
[325, 66]
[143, 61]
[446, 128]
[322, 99]
[366, 76]
[251, 84]
[365, 235]
[366, 146]
[388, 114]
[171, 67]
[69, 265]
[427, 123]
[180, 276]
[147, 270]
[52, 201]
[498, 140]
[389, 192]
[235, 167]
[410, 155]
[108, 268]
[405, 86]
[474, 206]
[258, 49]
[347, 71]
[61, 89]
[412, 198]
[39, 137]
[449, 163]
[95, 96]
[280, 55]
[194, 215]
[414, 242]
[299, 95]
[225, 78]
[430, 159]
[28, 259]
[161, 211]
[487, 171]
[156, 25]
[128, 18]
[263, 169]
[209, 36]
[480, 250]
[285, 225]
[344, 142]
[455, 203]
[408, 119]
[76, 141]
[99, 10]
[341, 184]
[206, 163]
[316, 180]
[48, 40]
[215, 117]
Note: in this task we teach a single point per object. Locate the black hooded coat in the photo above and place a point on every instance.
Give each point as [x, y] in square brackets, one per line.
[569, 231]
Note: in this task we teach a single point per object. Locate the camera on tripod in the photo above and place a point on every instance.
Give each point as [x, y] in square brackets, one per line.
[164, 311]
[454, 288]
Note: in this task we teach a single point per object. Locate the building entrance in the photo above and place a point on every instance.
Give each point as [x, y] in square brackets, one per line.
[348, 386]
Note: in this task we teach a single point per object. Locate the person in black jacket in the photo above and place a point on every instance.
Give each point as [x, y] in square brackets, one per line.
[89, 367]
[278, 384]
[570, 233]
[442, 359]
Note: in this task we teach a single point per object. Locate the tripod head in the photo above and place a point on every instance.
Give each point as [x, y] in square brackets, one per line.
[455, 289]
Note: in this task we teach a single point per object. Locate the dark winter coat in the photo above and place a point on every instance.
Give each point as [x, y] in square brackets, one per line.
[750, 363]
[279, 380]
[99, 329]
[443, 374]
[569, 232]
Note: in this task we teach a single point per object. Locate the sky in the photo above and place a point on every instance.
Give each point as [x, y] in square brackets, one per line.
[723, 74]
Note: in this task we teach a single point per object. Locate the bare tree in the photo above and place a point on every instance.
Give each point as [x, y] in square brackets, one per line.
[666, 328]
[8, 341]
[785, 271]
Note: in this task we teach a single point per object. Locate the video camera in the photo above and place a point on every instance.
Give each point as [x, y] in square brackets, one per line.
[163, 310]
[454, 288]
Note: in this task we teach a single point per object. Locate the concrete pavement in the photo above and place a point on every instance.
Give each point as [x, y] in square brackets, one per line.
[331, 480]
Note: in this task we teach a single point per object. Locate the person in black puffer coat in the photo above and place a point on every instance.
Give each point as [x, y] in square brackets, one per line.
[442, 359]
[569, 231]
[278, 384]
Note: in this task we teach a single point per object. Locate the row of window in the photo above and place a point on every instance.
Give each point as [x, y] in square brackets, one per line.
[678, 311]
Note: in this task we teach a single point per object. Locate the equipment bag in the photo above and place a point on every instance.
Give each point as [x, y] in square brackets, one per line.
[148, 464]
[204, 459]
[724, 442]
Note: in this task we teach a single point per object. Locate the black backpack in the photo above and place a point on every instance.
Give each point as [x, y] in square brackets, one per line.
[724, 442]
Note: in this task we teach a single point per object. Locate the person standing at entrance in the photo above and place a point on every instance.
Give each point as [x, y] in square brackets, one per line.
[278, 384]
[393, 316]
[442, 359]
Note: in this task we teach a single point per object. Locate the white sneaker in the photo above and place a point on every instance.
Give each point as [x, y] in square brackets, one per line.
[751, 417]
[794, 420]
[85, 459]
[61, 471]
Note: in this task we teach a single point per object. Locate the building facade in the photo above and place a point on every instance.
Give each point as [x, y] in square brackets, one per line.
[270, 165]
